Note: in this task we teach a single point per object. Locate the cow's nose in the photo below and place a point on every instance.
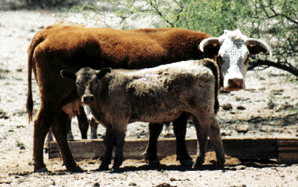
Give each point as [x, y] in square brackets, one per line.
[235, 84]
[87, 99]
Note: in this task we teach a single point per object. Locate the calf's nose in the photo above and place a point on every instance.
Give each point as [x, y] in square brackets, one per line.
[235, 84]
[87, 99]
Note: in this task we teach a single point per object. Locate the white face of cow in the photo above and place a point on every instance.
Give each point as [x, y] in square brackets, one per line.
[233, 53]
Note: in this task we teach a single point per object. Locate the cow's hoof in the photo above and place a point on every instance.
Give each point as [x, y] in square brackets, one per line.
[186, 163]
[76, 169]
[116, 170]
[41, 170]
[155, 164]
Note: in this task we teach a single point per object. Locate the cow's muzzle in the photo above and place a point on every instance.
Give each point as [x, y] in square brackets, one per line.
[87, 99]
[234, 84]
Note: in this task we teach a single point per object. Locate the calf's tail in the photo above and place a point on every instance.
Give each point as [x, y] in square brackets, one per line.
[215, 70]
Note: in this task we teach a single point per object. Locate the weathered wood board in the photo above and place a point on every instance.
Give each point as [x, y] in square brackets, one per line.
[287, 150]
[284, 150]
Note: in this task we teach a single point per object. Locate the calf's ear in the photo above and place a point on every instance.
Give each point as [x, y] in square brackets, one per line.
[103, 72]
[68, 74]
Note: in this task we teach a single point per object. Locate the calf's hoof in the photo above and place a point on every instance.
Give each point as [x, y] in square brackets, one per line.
[154, 164]
[76, 169]
[220, 166]
[198, 165]
[41, 170]
[103, 167]
[187, 163]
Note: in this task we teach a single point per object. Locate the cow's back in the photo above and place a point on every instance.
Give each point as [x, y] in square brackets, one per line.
[71, 47]
[133, 49]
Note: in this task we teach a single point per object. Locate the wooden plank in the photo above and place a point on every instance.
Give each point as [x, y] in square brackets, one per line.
[243, 148]
[287, 151]
[251, 148]
[133, 149]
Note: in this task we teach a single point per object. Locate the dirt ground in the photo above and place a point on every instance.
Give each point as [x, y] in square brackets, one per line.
[267, 108]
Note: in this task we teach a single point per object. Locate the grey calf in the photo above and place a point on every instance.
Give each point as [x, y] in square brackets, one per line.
[155, 95]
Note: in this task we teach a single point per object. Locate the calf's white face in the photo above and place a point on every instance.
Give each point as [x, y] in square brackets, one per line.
[233, 54]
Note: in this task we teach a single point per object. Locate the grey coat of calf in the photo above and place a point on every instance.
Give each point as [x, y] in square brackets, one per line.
[155, 95]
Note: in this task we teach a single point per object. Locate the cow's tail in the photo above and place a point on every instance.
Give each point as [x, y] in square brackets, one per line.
[29, 105]
[215, 70]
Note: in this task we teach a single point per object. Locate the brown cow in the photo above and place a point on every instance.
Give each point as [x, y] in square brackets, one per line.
[155, 95]
[72, 47]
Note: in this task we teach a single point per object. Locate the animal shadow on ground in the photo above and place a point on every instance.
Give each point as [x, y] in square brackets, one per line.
[242, 165]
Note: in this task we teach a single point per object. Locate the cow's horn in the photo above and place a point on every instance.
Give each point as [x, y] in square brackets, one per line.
[260, 43]
[208, 41]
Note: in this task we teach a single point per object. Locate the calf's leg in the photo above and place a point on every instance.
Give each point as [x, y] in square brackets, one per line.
[207, 124]
[202, 129]
[109, 142]
[151, 150]
[83, 123]
[180, 125]
[120, 136]
[93, 127]
[215, 138]
[180, 131]
[83, 126]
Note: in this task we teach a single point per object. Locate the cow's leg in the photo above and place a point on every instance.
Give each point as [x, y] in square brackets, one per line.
[93, 127]
[180, 132]
[215, 138]
[109, 142]
[60, 132]
[151, 150]
[42, 123]
[202, 129]
[83, 123]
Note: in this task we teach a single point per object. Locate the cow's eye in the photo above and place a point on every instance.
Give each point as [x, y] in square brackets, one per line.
[219, 60]
[77, 83]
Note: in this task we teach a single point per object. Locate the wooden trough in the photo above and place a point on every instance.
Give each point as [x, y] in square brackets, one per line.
[285, 150]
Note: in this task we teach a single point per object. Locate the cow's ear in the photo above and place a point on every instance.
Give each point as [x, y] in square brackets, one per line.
[68, 74]
[103, 72]
[256, 46]
[257, 49]
[210, 50]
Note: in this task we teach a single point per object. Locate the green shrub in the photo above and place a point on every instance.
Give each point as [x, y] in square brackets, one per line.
[275, 21]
